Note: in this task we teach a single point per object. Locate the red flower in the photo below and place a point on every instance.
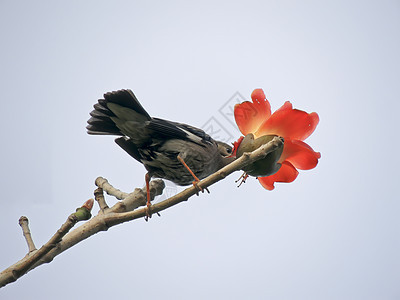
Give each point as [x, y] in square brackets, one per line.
[292, 124]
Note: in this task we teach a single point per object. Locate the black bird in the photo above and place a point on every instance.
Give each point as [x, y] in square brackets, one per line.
[178, 152]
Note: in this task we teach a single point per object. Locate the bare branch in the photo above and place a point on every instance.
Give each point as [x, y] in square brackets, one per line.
[123, 211]
[109, 189]
[24, 223]
[12, 273]
[99, 196]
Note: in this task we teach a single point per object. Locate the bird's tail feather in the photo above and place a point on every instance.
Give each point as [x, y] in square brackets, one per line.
[112, 113]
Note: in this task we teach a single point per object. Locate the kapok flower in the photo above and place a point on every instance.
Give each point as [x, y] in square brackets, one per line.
[292, 124]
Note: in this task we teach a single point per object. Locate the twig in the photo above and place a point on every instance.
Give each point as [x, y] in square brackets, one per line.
[133, 200]
[12, 273]
[24, 223]
[109, 189]
[123, 211]
[99, 196]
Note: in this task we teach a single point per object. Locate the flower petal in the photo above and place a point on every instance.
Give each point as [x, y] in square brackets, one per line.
[249, 116]
[287, 173]
[286, 106]
[289, 123]
[236, 146]
[299, 154]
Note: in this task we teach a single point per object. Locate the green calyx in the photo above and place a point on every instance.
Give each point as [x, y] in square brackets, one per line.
[83, 214]
[265, 166]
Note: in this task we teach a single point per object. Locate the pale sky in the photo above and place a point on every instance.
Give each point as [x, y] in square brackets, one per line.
[331, 234]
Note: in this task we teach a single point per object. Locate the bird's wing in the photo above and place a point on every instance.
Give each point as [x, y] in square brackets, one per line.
[129, 146]
[120, 113]
[160, 129]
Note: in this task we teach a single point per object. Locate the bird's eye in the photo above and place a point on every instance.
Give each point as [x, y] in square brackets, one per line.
[229, 150]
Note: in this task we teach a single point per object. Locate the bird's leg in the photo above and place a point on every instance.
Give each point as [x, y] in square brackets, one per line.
[243, 178]
[148, 203]
[196, 180]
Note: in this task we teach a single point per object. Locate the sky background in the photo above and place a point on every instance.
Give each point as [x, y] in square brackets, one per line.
[334, 233]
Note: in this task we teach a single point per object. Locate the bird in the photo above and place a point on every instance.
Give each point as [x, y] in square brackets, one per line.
[169, 150]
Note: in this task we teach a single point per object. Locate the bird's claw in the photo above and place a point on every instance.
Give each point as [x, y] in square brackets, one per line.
[242, 178]
[199, 188]
[148, 212]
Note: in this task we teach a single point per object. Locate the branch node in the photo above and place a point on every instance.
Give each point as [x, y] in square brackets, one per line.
[139, 197]
[99, 196]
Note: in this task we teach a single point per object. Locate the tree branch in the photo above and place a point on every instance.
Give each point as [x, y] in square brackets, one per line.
[123, 211]
[12, 273]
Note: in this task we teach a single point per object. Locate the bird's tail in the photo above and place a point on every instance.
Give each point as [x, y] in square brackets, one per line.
[119, 113]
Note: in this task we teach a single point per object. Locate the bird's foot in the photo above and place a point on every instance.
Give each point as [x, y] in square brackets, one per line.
[199, 188]
[242, 178]
[196, 180]
[148, 212]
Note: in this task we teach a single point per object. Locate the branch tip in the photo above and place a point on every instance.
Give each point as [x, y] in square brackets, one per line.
[88, 204]
[24, 223]
[83, 213]
[109, 189]
[99, 196]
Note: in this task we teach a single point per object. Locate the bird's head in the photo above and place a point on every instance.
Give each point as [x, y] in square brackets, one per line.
[224, 149]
